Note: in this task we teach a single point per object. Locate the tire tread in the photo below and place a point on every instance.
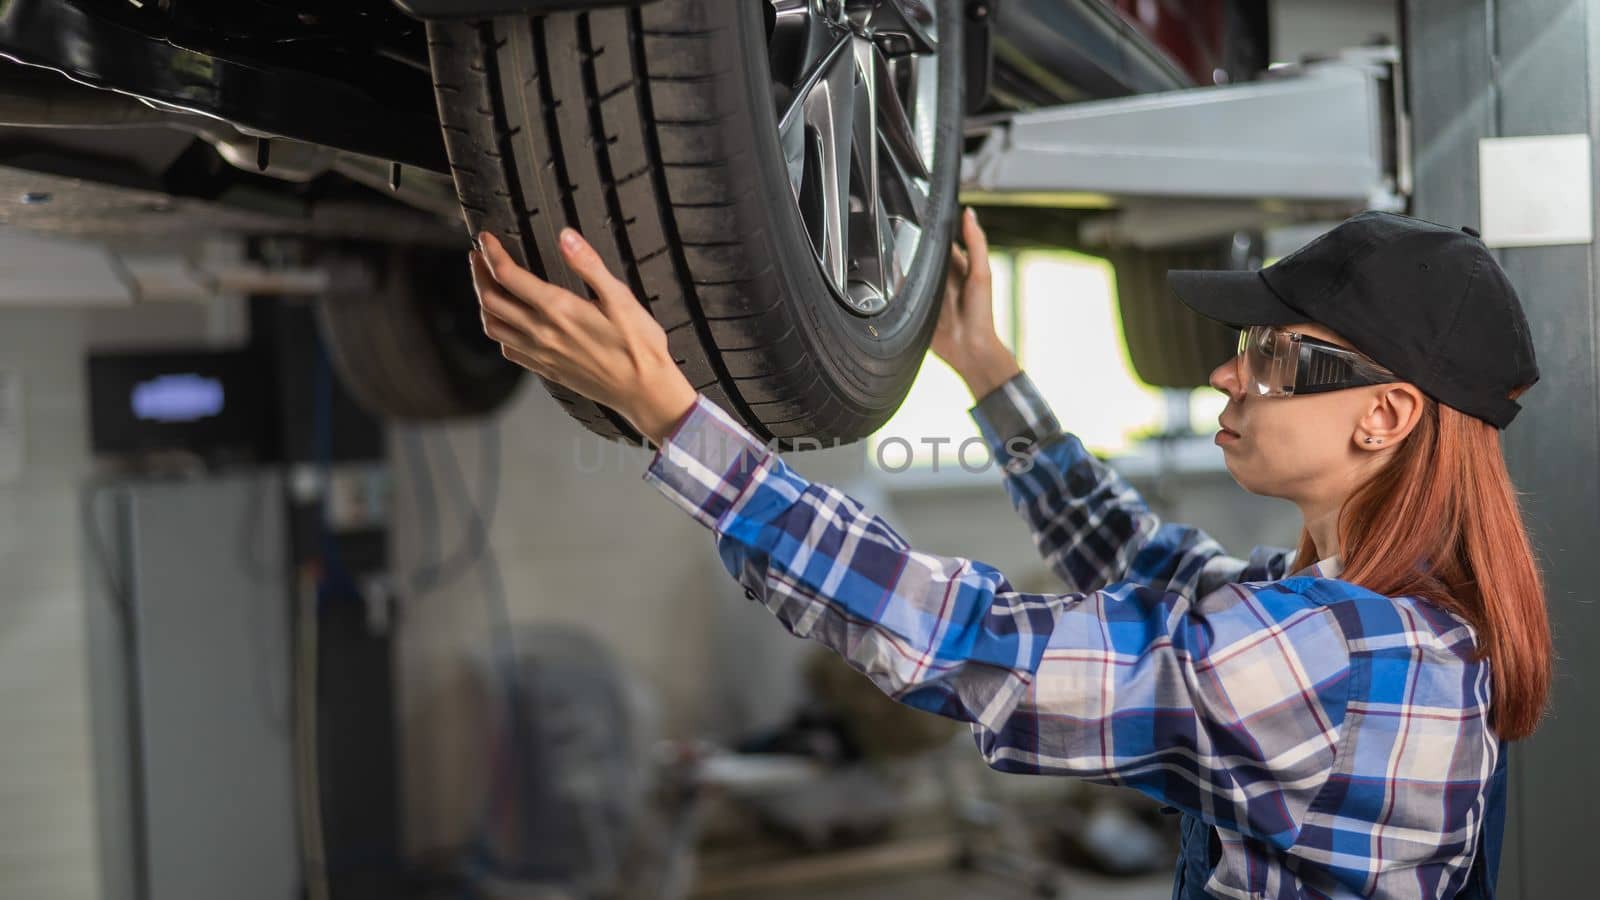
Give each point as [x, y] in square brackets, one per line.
[623, 123]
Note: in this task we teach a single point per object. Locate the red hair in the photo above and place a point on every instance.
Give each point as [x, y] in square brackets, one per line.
[1446, 500]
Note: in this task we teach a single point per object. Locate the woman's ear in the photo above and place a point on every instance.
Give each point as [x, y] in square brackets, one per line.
[1396, 409]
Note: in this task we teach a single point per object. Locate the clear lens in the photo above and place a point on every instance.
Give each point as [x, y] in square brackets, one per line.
[1278, 363]
[1267, 359]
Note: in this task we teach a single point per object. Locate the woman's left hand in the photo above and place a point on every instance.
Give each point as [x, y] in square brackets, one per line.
[610, 350]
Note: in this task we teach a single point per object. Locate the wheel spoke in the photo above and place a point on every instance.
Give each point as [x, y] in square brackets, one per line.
[906, 238]
[869, 226]
[904, 198]
[816, 133]
[894, 121]
[924, 95]
[899, 27]
[800, 40]
[904, 194]
[836, 55]
[856, 85]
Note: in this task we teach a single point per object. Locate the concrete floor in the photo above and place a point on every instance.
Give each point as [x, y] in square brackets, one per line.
[915, 868]
[945, 885]
[1005, 839]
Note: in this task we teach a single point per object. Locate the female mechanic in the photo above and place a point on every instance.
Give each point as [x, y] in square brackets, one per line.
[1332, 728]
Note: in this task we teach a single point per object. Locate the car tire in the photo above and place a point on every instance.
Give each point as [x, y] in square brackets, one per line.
[409, 344]
[1169, 345]
[653, 130]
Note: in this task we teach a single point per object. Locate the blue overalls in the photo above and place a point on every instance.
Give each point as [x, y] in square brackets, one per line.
[1200, 851]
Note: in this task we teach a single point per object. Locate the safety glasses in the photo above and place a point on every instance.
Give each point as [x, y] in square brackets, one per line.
[1274, 362]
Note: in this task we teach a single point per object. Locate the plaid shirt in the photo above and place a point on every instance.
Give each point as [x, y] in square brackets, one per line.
[1337, 739]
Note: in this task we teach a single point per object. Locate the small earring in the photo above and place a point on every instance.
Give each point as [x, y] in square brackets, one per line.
[1366, 440]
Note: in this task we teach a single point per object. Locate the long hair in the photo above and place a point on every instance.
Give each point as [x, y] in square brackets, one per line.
[1440, 522]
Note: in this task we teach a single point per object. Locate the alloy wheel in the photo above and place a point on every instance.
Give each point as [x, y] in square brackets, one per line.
[856, 87]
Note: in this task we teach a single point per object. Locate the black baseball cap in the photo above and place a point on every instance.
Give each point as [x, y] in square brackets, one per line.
[1426, 301]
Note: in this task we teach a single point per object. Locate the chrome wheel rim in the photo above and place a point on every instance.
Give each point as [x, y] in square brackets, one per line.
[856, 88]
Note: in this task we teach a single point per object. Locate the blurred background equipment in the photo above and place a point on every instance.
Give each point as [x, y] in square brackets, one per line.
[206, 403]
[577, 805]
[244, 731]
[841, 778]
[195, 713]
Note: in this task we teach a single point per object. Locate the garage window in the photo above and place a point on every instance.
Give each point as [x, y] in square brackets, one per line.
[1058, 311]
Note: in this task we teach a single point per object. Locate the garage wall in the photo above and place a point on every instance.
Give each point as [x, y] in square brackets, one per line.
[48, 828]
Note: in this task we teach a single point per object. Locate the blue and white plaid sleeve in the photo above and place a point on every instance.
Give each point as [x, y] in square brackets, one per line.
[1090, 525]
[1229, 707]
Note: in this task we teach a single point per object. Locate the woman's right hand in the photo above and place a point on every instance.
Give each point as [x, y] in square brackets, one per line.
[965, 336]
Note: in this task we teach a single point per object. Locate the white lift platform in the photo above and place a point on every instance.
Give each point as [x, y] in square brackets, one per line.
[1311, 141]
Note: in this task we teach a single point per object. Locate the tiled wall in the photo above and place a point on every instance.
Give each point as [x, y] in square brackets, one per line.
[47, 829]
